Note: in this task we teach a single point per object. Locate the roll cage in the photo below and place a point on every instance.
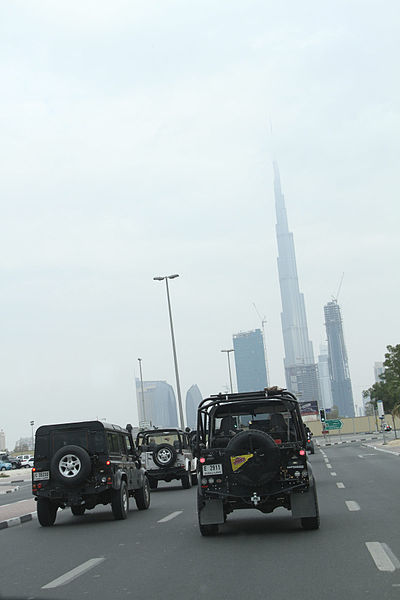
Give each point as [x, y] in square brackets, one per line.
[224, 404]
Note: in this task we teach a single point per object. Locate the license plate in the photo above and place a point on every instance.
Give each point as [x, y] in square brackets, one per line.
[212, 469]
[38, 475]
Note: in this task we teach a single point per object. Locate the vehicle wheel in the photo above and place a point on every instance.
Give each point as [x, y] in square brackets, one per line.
[194, 478]
[164, 455]
[77, 510]
[265, 463]
[120, 502]
[208, 530]
[3, 468]
[186, 481]
[312, 451]
[70, 465]
[153, 483]
[46, 512]
[142, 496]
[312, 522]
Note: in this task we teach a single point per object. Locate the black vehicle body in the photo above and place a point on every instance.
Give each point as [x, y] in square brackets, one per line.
[166, 454]
[246, 461]
[81, 465]
[309, 443]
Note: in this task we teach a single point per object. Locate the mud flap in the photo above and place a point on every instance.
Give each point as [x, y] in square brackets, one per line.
[211, 513]
[304, 504]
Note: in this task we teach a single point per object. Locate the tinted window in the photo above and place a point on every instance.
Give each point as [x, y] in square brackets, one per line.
[113, 443]
[66, 438]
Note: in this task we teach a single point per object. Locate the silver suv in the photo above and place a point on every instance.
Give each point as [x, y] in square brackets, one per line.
[166, 454]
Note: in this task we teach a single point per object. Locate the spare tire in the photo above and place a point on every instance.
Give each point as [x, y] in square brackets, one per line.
[264, 465]
[164, 455]
[70, 465]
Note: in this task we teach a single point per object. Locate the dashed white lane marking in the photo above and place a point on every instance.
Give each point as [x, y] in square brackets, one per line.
[333, 473]
[74, 573]
[328, 466]
[340, 484]
[326, 460]
[171, 516]
[383, 557]
[351, 505]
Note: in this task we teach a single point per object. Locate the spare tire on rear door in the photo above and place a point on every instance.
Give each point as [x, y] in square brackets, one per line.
[264, 465]
[164, 455]
[70, 465]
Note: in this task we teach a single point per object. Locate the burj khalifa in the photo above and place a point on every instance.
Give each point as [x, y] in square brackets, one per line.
[300, 369]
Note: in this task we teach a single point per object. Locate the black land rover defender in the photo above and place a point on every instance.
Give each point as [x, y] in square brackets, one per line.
[84, 464]
[251, 450]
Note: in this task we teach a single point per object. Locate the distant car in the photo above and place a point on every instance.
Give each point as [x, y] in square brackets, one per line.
[5, 466]
[15, 463]
[310, 444]
[27, 464]
[386, 427]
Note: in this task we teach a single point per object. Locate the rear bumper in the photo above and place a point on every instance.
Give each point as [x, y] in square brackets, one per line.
[167, 474]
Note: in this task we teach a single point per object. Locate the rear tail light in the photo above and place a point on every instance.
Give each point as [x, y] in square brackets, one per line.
[108, 463]
[202, 459]
[302, 452]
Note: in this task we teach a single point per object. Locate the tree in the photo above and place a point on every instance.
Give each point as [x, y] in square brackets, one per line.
[388, 388]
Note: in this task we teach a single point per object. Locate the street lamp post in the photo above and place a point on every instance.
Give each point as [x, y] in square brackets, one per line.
[229, 366]
[178, 387]
[32, 424]
[141, 383]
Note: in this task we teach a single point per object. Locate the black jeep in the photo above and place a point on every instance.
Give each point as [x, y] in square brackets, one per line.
[166, 454]
[251, 450]
[84, 464]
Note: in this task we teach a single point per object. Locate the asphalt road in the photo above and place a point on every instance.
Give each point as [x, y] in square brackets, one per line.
[159, 553]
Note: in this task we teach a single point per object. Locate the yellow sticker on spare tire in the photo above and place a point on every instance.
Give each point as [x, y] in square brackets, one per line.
[239, 461]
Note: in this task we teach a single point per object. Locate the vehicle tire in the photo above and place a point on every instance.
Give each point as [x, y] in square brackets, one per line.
[164, 455]
[77, 510]
[264, 465]
[120, 502]
[70, 465]
[3, 468]
[310, 523]
[208, 530]
[186, 480]
[193, 476]
[153, 483]
[46, 512]
[205, 530]
[313, 450]
[142, 496]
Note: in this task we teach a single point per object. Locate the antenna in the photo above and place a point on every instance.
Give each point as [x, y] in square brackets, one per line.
[335, 298]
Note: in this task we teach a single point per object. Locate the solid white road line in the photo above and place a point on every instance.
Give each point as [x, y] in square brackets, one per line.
[333, 473]
[171, 516]
[383, 557]
[74, 573]
[340, 485]
[351, 505]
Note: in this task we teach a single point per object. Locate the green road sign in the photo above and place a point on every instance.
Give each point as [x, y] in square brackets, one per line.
[333, 424]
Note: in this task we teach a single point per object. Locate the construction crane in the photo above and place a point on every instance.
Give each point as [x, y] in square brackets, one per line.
[263, 322]
[335, 298]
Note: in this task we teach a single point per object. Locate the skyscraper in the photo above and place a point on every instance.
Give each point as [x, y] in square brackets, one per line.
[193, 399]
[159, 404]
[342, 395]
[300, 368]
[324, 377]
[251, 372]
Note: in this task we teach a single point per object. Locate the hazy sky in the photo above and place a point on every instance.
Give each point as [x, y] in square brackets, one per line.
[135, 141]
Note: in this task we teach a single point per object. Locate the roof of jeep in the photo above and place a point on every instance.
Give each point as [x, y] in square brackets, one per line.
[161, 430]
[93, 425]
[270, 395]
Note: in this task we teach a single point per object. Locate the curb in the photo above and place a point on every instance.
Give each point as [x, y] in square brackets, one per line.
[10, 491]
[381, 449]
[18, 520]
[348, 442]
